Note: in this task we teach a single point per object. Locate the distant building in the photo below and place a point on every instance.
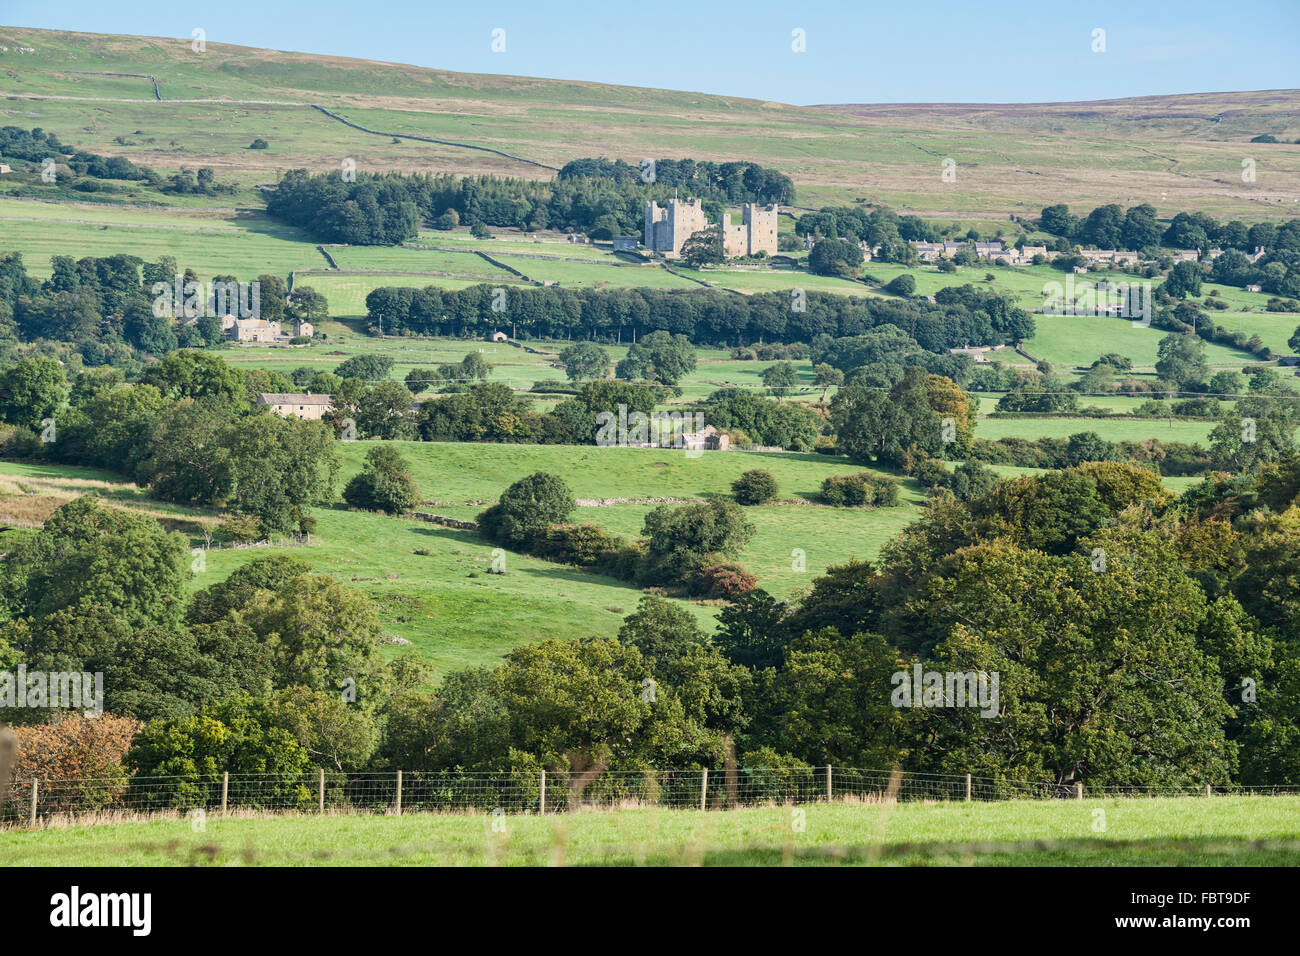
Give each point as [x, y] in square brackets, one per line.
[4, 168]
[625, 243]
[755, 233]
[707, 439]
[305, 405]
[250, 330]
[1254, 288]
[498, 337]
[261, 330]
[668, 227]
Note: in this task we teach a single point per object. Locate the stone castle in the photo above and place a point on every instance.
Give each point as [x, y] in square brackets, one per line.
[756, 232]
[668, 227]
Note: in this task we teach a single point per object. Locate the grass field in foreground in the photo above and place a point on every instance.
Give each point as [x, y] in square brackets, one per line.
[1225, 831]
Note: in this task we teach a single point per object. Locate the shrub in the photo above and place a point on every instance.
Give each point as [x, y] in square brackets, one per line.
[240, 528]
[930, 472]
[526, 510]
[586, 545]
[681, 540]
[904, 285]
[885, 492]
[76, 746]
[859, 489]
[755, 487]
[847, 490]
[726, 580]
[384, 484]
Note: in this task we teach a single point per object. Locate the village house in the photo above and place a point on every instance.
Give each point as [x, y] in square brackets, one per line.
[261, 330]
[978, 353]
[707, 439]
[304, 405]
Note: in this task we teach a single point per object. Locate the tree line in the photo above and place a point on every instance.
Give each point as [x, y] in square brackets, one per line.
[959, 316]
[593, 196]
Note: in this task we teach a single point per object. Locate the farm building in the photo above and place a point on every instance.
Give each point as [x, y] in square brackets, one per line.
[305, 405]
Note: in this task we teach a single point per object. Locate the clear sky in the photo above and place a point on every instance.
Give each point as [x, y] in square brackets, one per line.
[866, 51]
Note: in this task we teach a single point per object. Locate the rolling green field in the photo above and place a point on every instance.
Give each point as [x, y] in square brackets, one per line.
[455, 613]
[1117, 428]
[1186, 831]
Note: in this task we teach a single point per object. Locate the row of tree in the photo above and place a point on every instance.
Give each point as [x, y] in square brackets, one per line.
[959, 316]
[594, 196]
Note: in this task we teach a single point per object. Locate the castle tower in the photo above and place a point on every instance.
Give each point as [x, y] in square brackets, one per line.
[760, 228]
[756, 232]
[668, 227]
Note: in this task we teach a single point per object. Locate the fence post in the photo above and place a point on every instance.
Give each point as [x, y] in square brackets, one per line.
[35, 790]
[828, 783]
[704, 789]
[968, 788]
[541, 798]
[399, 793]
[1207, 789]
[322, 790]
[225, 789]
[1078, 791]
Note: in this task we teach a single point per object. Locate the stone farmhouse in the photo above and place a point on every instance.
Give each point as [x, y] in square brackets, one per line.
[304, 405]
[668, 227]
[260, 330]
[977, 353]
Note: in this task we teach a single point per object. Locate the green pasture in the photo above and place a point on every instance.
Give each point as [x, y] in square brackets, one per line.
[1161, 831]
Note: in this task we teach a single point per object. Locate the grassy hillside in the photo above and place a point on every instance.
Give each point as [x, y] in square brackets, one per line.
[1187, 831]
[431, 582]
[1176, 152]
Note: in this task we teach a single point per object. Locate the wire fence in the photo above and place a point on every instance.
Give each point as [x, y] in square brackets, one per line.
[31, 801]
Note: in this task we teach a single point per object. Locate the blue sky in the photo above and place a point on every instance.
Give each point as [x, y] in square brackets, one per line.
[861, 52]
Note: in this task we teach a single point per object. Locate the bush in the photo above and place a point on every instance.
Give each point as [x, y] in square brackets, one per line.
[885, 492]
[684, 539]
[930, 472]
[904, 285]
[76, 746]
[847, 490]
[726, 580]
[586, 545]
[526, 510]
[240, 528]
[862, 488]
[384, 484]
[755, 487]
[258, 143]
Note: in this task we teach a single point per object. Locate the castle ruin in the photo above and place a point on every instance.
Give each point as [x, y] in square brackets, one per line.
[668, 227]
[756, 232]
